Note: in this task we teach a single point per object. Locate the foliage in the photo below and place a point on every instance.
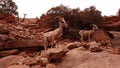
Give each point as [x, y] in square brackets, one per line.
[91, 16]
[9, 7]
[77, 18]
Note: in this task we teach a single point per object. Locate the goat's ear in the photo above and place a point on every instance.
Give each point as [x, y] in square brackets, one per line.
[62, 22]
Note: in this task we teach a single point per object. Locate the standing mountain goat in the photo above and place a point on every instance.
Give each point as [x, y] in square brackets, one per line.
[52, 36]
[87, 33]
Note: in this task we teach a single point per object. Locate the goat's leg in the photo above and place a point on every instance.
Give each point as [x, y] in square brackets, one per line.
[81, 38]
[45, 44]
[88, 37]
[45, 47]
[52, 43]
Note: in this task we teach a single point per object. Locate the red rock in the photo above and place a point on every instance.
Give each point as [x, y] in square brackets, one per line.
[56, 57]
[51, 66]
[3, 37]
[1, 43]
[9, 60]
[8, 52]
[30, 61]
[20, 42]
[36, 66]
[83, 59]
[18, 66]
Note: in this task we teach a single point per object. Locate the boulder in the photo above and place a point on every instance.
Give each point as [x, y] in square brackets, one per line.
[51, 66]
[30, 61]
[56, 57]
[9, 60]
[101, 35]
[94, 46]
[73, 45]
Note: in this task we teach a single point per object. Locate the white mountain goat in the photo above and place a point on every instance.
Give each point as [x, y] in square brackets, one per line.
[52, 36]
[87, 33]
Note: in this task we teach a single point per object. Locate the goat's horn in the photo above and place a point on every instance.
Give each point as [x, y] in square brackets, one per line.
[57, 17]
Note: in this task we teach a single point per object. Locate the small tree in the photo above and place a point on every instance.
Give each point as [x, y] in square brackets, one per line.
[91, 16]
[9, 7]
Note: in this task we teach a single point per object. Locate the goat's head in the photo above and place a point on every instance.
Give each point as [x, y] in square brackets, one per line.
[94, 26]
[63, 22]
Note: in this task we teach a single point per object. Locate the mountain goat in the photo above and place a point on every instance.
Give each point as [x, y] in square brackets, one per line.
[52, 36]
[87, 33]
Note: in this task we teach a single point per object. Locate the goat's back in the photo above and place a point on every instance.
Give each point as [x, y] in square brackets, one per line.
[55, 34]
[85, 32]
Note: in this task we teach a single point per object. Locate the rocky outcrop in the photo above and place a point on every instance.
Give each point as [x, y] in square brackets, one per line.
[9, 60]
[101, 35]
[83, 59]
